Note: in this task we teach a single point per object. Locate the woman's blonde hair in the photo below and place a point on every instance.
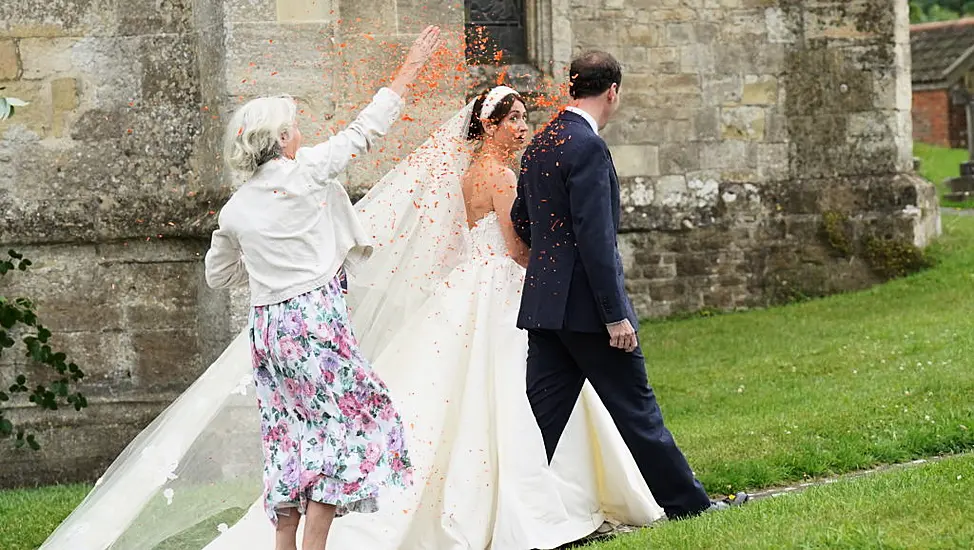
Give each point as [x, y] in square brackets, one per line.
[254, 133]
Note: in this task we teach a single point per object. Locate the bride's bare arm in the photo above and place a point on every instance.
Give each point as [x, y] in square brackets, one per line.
[503, 192]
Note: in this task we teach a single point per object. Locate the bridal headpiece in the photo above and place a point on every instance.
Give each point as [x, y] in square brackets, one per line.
[493, 98]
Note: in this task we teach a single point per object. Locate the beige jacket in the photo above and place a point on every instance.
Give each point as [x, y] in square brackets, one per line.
[291, 226]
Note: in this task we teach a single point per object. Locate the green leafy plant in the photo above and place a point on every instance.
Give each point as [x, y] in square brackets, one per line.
[8, 105]
[18, 317]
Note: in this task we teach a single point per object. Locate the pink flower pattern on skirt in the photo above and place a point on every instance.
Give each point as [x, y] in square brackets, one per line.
[330, 431]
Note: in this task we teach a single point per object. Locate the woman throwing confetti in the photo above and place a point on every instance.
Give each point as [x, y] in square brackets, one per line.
[332, 438]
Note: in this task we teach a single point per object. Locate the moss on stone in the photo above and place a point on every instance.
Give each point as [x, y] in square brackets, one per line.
[835, 225]
[891, 258]
[887, 257]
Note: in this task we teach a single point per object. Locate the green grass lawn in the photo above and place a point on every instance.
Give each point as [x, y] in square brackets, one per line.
[926, 506]
[828, 386]
[27, 516]
[938, 164]
[769, 397]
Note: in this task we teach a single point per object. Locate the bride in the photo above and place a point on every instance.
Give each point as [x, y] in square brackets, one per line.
[434, 307]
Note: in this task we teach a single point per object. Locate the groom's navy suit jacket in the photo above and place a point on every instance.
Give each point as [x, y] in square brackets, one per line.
[568, 212]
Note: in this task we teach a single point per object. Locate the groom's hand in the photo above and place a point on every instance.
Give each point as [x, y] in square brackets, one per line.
[623, 336]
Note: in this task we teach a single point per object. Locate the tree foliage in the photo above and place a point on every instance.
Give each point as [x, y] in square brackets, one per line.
[922, 11]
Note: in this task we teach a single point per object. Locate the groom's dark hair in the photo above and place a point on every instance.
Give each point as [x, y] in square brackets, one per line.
[593, 73]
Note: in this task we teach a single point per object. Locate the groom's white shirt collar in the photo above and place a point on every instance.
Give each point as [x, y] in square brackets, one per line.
[588, 118]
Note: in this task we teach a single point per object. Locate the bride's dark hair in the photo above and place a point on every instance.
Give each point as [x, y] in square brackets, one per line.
[503, 108]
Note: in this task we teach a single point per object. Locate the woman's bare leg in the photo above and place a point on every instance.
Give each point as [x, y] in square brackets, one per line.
[317, 523]
[287, 529]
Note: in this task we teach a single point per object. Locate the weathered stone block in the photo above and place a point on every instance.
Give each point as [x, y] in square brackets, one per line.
[723, 89]
[159, 351]
[664, 60]
[724, 155]
[697, 58]
[9, 60]
[670, 291]
[645, 35]
[414, 15]
[679, 131]
[679, 34]
[744, 25]
[637, 192]
[239, 11]
[305, 11]
[693, 265]
[147, 17]
[670, 190]
[854, 21]
[378, 17]
[636, 160]
[688, 83]
[870, 124]
[824, 81]
[47, 57]
[679, 158]
[760, 90]
[893, 90]
[54, 18]
[746, 123]
[706, 33]
[782, 24]
[634, 126]
[672, 14]
[776, 126]
[64, 94]
[64, 99]
[706, 124]
[773, 161]
[659, 270]
[758, 3]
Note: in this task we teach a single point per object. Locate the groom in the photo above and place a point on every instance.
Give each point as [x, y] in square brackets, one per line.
[580, 322]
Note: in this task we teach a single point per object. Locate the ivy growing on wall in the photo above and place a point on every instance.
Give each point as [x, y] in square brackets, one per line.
[48, 388]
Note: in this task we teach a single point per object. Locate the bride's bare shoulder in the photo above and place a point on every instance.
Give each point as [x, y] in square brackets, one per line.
[503, 179]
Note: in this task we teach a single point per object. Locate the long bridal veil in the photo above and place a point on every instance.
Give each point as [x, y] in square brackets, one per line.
[196, 469]
[417, 218]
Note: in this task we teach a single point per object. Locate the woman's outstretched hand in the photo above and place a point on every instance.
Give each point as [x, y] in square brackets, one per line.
[424, 46]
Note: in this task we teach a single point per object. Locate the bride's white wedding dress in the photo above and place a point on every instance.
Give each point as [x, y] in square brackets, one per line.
[435, 308]
[457, 371]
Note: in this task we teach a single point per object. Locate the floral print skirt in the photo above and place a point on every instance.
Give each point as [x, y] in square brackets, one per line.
[330, 431]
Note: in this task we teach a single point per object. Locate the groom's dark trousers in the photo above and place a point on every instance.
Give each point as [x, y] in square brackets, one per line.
[568, 212]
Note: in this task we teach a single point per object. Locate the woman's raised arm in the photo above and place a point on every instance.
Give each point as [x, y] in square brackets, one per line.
[329, 159]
